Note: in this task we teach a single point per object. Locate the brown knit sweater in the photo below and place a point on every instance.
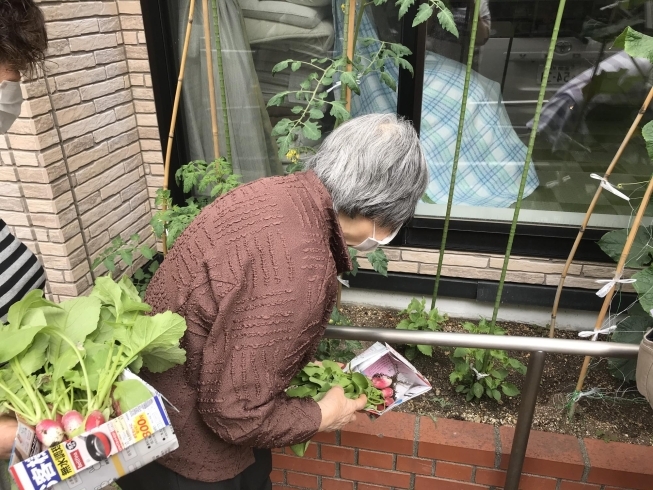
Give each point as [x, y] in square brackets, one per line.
[254, 276]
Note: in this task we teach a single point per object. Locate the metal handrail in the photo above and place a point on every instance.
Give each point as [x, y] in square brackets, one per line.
[481, 341]
[538, 347]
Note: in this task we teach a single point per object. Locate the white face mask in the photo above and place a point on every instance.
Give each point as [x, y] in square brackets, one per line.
[371, 243]
[11, 99]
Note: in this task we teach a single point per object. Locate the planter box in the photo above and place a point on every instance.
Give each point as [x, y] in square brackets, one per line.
[406, 451]
[97, 457]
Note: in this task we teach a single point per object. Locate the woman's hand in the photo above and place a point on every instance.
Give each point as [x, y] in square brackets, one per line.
[8, 427]
[338, 410]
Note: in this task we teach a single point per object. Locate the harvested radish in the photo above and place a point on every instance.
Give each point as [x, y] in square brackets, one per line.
[387, 392]
[380, 408]
[389, 401]
[72, 423]
[49, 432]
[381, 381]
[94, 419]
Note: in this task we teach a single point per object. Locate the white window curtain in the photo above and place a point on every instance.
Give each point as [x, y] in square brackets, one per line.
[254, 153]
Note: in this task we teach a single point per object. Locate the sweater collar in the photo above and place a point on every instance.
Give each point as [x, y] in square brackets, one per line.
[323, 200]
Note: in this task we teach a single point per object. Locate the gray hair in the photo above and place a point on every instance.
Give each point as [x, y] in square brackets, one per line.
[373, 167]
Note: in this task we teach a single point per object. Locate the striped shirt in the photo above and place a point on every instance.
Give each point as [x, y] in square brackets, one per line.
[20, 271]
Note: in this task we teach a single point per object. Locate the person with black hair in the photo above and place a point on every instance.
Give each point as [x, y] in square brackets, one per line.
[23, 41]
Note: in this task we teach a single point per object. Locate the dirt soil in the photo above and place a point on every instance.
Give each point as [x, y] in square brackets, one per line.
[620, 414]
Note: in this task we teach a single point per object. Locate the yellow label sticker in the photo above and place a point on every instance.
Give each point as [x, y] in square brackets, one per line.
[141, 426]
[61, 461]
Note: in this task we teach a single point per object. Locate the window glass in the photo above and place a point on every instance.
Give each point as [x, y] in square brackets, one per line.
[593, 94]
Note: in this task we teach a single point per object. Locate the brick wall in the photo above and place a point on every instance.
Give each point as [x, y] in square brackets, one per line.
[488, 267]
[402, 450]
[76, 166]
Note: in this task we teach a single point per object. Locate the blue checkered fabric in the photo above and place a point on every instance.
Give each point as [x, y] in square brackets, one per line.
[492, 156]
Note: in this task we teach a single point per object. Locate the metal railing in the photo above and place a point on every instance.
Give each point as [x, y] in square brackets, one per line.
[538, 347]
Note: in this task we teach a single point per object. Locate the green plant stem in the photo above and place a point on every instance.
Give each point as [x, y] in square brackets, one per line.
[223, 92]
[34, 396]
[17, 402]
[456, 157]
[104, 388]
[527, 162]
[358, 22]
[82, 364]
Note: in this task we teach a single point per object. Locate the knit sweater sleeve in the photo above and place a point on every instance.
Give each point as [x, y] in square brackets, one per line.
[269, 319]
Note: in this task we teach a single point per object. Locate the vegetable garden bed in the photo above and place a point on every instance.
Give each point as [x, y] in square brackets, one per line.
[613, 412]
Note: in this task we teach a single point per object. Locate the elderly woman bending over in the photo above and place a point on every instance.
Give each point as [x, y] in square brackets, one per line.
[255, 277]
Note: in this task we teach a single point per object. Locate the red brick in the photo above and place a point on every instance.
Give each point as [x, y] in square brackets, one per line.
[278, 450]
[453, 471]
[497, 478]
[324, 468]
[377, 460]
[332, 484]
[620, 464]
[278, 487]
[547, 454]
[300, 480]
[574, 485]
[367, 475]
[414, 465]
[457, 441]
[276, 476]
[395, 431]
[336, 453]
[311, 451]
[326, 437]
[365, 486]
[429, 483]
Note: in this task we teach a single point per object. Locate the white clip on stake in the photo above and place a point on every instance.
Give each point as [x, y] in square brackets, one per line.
[609, 187]
[610, 283]
[595, 333]
[479, 376]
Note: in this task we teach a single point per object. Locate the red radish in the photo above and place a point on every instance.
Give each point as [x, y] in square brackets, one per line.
[59, 418]
[389, 401]
[72, 422]
[380, 408]
[381, 381]
[387, 392]
[93, 420]
[49, 432]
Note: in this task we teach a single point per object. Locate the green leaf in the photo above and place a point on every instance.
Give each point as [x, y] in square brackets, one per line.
[147, 252]
[647, 133]
[388, 80]
[612, 243]
[33, 358]
[427, 199]
[297, 109]
[16, 341]
[32, 300]
[296, 65]
[410, 352]
[460, 388]
[316, 113]
[108, 292]
[300, 448]
[509, 389]
[427, 350]
[156, 338]
[311, 131]
[277, 99]
[496, 394]
[499, 373]
[447, 22]
[379, 261]
[477, 388]
[424, 13]
[404, 5]
[130, 393]
[461, 352]
[348, 79]
[76, 319]
[636, 44]
[282, 65]
[644, 287]
[339, 111]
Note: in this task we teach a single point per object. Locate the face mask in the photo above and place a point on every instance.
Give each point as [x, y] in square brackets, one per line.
[11, 99]
[370, 244]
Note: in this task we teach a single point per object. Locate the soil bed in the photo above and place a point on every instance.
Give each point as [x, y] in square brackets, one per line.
[622, 414]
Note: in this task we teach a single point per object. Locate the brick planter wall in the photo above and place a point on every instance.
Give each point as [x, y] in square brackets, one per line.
[405, 451]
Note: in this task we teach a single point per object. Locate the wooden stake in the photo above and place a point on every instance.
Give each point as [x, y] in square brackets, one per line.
[209, 71]
[619, 271]
[590, 210]
[351, 47]
[175, 109]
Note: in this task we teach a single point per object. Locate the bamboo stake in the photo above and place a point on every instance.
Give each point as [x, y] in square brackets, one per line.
[209, 71]
[351, 47]
[175, 109]
[456, 156]
[223, 92]
[619, 271]
[590, 210]
[345, 46]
